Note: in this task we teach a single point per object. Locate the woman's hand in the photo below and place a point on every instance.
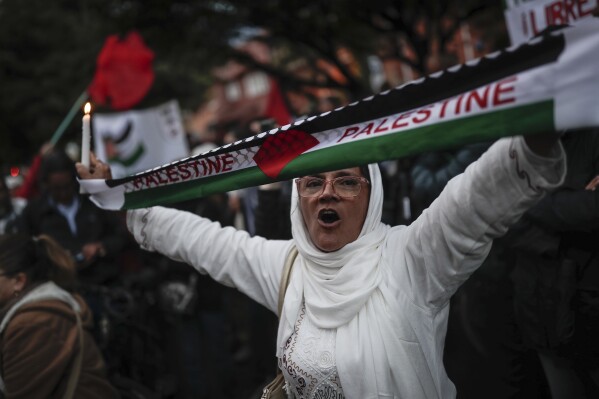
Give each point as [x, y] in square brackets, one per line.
[592, 185]
[97, 169]
[93, 250]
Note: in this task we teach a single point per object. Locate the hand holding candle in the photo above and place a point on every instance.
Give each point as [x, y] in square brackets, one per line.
[86, 135]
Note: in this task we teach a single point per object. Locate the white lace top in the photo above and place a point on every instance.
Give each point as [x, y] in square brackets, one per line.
[308, 363]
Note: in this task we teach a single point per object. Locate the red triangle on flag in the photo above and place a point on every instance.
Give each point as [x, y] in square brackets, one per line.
[280, 149]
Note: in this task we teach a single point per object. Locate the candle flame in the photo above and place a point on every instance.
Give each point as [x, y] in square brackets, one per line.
[87, 109]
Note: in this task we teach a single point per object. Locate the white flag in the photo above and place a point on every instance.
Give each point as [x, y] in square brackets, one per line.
[134, 141]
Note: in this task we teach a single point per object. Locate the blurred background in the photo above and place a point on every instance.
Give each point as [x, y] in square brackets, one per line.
[221, 59]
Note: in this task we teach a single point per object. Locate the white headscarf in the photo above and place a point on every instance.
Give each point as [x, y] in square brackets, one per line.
[337, 284]
[343, 290]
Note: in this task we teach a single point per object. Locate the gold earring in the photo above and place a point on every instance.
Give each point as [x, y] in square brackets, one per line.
[16, 293]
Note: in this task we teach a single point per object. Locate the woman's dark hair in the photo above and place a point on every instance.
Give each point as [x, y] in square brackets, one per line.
[40, 258]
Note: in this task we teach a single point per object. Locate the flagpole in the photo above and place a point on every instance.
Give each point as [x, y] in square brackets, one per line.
[68, 118]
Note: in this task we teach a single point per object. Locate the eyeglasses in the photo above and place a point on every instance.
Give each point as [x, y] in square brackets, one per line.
[344, 186]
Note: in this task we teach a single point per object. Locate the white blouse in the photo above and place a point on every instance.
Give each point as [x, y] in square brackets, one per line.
[308, 363]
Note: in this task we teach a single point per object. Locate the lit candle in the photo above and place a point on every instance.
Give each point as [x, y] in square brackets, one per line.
[86, 135]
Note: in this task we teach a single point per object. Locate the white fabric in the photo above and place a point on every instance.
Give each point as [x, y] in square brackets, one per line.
[399, 352]
[103, 196]
[310, 358]
[337, 284]
[43, 292]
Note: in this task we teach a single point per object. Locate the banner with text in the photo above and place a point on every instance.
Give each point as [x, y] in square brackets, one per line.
[548, 83]
[527, 18]
[134, 141]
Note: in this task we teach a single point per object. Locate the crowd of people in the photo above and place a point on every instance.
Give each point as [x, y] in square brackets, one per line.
[383, 252]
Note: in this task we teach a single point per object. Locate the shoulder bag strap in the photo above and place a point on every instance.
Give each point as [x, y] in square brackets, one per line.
[274, 390]
[76, 370]
[285, 277]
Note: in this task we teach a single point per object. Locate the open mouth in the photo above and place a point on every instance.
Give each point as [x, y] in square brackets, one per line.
[328, 216]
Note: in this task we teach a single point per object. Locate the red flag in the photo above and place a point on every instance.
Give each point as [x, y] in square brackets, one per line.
[124, 73]
[276, 108]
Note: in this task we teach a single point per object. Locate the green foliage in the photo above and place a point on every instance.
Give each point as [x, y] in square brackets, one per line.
[48, 53]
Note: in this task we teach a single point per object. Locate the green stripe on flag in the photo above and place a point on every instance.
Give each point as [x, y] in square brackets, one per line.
[537, 117]
[533, 118]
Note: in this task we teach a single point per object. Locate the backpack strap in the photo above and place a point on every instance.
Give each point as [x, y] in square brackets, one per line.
[77, 364]
[285, 277]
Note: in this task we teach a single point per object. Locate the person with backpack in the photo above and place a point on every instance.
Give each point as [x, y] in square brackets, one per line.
[46, 348]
